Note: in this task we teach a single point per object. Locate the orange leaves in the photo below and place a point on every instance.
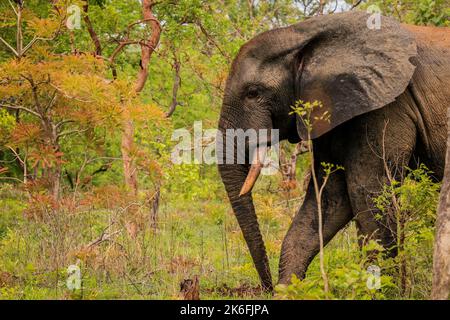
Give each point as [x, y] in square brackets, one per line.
[9, 90]
[220, 78]
[41, 51]
[13, 79]
[7, 18]
[11, 70]
[39, 26]
[85, 253]
[46, 156]
[81, 64]
[150, 124]
[124, 89]
[42, 27]
[110, 197]
[9, 85]
[144, 113]
[288, 185]
[91, 98]
[39, 205]
[78, 78]
[3, 170]
[72, 86]
[25, 134]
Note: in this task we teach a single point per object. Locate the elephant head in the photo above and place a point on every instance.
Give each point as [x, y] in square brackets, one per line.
[336, 59]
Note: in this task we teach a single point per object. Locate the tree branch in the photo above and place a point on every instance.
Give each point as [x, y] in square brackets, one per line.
[16, 54]
[176, 86]
[69, 132]
[63, 122]
[148, 47]
[12, 6]
[92, 33]
[213, 41]
[21, 108]
[34, 40]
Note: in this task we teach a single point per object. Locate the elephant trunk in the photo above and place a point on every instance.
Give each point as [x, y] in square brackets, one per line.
[233, 177]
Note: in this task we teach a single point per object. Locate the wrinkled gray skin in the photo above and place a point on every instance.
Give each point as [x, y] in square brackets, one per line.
[387, 87]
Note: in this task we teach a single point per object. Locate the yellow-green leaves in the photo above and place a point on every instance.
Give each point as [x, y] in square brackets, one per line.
[307, 112]
[7, 123]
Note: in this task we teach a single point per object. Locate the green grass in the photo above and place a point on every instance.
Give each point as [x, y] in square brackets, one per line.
[196, 235]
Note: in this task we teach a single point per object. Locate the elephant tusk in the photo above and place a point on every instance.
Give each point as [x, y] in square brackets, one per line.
[255, 170]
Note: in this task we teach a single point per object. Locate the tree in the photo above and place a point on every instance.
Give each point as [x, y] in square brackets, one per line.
[58, 96]
[441, 260]
[148, 47]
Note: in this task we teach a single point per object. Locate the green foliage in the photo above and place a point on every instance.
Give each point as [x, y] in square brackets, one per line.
[432, 12]
[310, 114]
[330, 168]
[348, 276]
[417, 196]
[12, 205]
[7, 124]
[419, 12]
[411, 204]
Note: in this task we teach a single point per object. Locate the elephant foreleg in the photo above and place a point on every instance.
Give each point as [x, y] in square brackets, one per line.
[301, 243]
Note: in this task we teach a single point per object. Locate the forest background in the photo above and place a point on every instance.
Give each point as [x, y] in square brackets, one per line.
[90, 94]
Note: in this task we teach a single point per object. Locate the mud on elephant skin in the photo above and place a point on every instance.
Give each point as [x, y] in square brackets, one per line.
[388, 86]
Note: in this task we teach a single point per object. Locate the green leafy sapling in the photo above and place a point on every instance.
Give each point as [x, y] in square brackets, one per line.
[304, 110]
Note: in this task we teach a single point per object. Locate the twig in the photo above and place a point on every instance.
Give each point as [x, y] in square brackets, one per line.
[213, 41]
[69, 132]
[356, 4]
[103, 236]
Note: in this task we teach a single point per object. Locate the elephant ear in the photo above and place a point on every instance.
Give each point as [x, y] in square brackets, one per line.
[351, 68]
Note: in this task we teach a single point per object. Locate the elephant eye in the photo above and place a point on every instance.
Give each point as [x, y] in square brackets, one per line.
[252, 93]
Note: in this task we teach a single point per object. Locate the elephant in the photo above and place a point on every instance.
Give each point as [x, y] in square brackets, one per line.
[386, 91]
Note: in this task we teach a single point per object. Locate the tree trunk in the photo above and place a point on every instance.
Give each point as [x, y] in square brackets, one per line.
[147, 49]
[190, 289]
[441, 259]
[129, 168]
[56, 181]
[154, 207]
